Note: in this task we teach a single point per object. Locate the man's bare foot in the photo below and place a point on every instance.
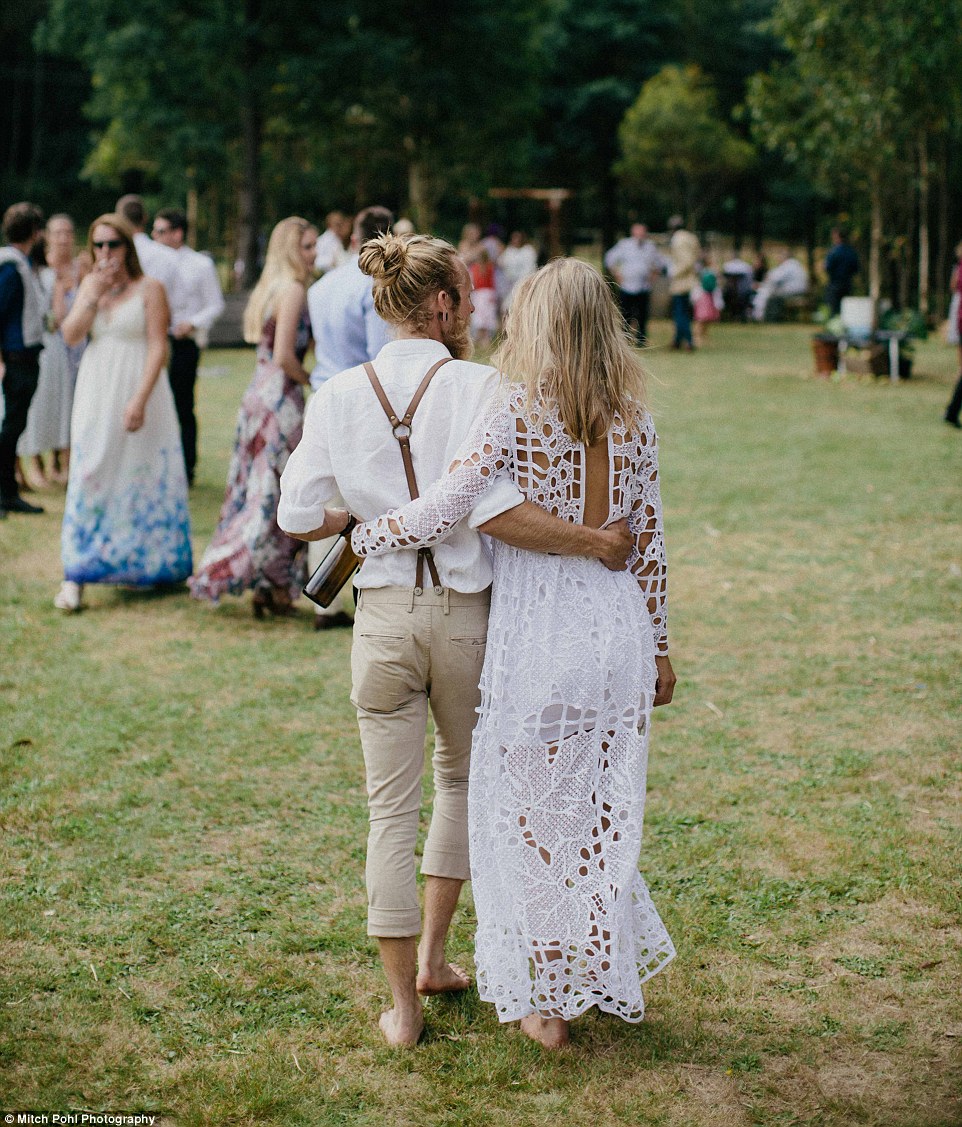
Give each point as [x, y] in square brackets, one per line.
[401, 1034]
[448, 980]
[552, 1032]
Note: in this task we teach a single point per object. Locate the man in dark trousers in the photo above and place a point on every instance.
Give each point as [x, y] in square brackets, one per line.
[841, 266]
[22, 309]
[194, 308]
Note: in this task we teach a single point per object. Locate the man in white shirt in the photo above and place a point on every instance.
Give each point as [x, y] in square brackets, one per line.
[156, 260]
[415, 645]
[347, 331]
[788, 278]
[344, 323]
[634, 262]
[198, 305]
[331, 251]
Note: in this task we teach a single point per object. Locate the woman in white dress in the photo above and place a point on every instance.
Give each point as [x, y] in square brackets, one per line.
[577, 656]
[48, 423]
[126, 518]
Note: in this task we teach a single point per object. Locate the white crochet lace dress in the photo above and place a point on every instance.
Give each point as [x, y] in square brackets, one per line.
[558, 763]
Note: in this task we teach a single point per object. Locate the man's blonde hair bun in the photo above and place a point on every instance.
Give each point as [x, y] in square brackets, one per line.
[408, 273]
[384, 257]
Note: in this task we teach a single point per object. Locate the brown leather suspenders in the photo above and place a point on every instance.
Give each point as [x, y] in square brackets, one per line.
[401, 428]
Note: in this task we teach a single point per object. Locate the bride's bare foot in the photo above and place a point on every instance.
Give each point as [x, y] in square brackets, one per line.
[448, 980]
[552, 1032]
[401, 1033]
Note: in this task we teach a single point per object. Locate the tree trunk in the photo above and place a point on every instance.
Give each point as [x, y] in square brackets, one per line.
[942, 236]
[249, 194]
[37, 138]
[609, 208]
[875, 242]
[192, 213]
[422, 195]
[924, 224]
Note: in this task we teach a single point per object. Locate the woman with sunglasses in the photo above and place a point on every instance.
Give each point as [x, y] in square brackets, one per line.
[126, 519]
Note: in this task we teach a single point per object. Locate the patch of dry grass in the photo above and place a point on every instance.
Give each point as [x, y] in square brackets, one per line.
[182, 804]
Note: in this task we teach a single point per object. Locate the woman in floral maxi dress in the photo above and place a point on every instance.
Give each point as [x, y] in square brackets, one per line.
[248, 549]
[576, 658]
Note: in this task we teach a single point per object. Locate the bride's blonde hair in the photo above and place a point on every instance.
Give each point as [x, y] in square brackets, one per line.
[567, 343]
[282, 264]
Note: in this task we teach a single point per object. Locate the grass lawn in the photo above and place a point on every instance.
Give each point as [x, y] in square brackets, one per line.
[182, 928]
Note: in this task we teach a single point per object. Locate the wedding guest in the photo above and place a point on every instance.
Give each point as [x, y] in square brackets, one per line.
[484, 319]
[21, 341]
[841, 266]
[196, 305]
[518, 259]
[954, 407]
[248, 551]
[787, 278]
[683, 251]
[634, 262]
[48, 423]
[332, 245]
[126, 519]
[707, 302]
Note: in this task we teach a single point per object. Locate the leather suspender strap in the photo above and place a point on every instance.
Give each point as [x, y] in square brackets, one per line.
[401, 429]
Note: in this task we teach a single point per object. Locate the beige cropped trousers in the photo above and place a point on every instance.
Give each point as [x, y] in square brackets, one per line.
[411, 651]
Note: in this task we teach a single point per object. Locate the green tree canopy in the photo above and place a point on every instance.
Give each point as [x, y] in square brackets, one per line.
[228, 97]
[676, 148]
[862, 91]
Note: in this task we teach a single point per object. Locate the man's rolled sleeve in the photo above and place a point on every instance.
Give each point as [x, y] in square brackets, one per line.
[307, 483]
[502, 496]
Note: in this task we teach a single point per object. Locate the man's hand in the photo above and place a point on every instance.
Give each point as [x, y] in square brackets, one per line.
[665, 683]
[182, 330]
[335, 521]
[616, 544]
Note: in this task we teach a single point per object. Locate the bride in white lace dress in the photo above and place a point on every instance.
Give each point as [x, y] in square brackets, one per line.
[576, 658]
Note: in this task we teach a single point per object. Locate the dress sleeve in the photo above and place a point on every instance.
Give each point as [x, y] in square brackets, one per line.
[483, 460]
[647, 560]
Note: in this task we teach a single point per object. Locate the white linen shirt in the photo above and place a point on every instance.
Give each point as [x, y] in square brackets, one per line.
[348, 447]
[330, 252]
[635, 262]
[161, 263]
[344, 323]
[199, 298]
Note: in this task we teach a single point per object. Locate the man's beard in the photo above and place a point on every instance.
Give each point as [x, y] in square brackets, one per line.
[456, 335]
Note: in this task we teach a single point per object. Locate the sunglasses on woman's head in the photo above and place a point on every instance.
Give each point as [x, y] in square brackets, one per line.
[111, 244]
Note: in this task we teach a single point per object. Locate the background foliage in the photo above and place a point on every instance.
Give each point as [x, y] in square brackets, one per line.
[262, 110]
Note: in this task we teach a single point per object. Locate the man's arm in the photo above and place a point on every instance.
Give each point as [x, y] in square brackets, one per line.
[211, 296]
[307, 483]
[528, 526]
[335, 521]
